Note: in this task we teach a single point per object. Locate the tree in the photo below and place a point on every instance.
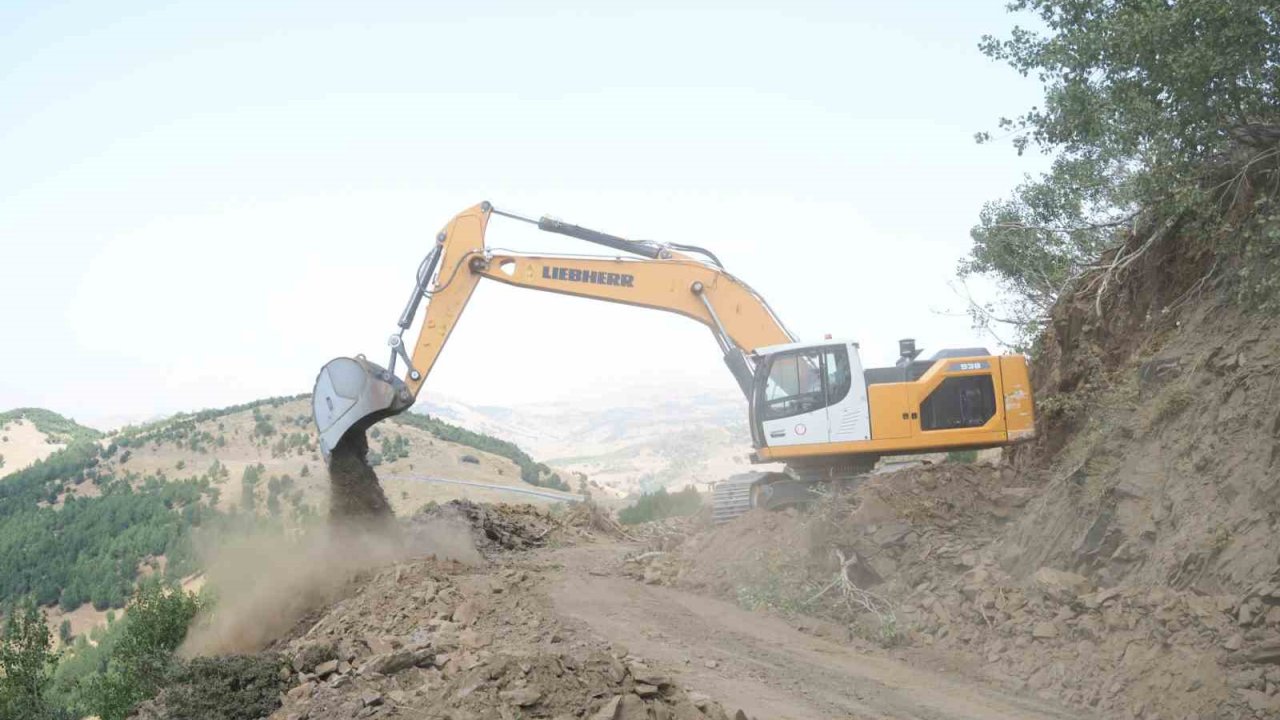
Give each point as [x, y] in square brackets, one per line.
[248, 485]
[1141, 99]
[273, 501]
[27, 659]
[64, 632]
[154, 627]
[661, 504]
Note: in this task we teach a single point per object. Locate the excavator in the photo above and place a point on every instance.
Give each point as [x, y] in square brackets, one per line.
[812, 406]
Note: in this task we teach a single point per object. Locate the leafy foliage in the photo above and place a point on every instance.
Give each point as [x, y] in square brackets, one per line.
[661, 504]
[26, 659]
[235, 687]
[142, 664]
[88, 550]
[394, 447]
[1145, 101]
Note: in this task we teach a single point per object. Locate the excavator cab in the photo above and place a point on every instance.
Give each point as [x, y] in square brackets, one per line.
[817, 400]
[805, 394]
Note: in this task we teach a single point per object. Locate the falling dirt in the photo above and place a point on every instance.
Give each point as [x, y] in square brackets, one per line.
[355, 497]
[265, 582]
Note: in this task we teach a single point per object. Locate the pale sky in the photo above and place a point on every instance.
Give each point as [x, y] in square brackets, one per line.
[201, 203]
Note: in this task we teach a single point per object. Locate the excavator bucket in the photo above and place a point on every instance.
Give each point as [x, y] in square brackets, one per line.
[352, 394]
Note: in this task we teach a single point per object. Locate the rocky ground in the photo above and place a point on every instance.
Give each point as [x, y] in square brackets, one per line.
[433, 638]
[919, 554]
[547, 623]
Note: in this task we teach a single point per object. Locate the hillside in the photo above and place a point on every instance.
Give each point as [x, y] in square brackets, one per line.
[90, 514]
[31, 434]
[276, 439]
[628, 441]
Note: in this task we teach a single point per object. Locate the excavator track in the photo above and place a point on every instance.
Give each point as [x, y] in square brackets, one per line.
[799, 485]
[731, 498]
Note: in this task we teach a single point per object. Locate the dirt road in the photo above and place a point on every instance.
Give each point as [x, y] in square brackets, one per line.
[760, 663]
[545, 494]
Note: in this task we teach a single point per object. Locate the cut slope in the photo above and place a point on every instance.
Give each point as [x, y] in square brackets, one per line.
[1156, 458]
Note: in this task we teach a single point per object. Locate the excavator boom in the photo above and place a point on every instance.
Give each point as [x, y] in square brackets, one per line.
[354, 393]
[813, 406]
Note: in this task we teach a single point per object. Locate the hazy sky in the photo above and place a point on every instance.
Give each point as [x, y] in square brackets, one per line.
[201, 203]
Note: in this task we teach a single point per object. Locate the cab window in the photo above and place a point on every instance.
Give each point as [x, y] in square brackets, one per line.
[838, 376]
[793, 386]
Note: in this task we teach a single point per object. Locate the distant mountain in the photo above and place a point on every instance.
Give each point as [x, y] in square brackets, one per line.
[635, 440]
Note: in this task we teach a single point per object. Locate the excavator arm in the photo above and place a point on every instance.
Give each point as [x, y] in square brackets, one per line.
[353, 393]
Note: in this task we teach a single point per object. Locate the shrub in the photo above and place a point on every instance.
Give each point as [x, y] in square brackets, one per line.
[661, 504]
[234, 687]
[143, 661]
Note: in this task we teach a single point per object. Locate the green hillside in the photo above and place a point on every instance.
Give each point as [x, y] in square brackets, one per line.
[76, 526]
[60, 429]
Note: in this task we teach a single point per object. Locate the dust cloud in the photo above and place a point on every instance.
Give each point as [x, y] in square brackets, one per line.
[264, 582]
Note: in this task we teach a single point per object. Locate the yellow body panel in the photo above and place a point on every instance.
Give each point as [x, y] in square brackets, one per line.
[1019, 404]
[890, 417]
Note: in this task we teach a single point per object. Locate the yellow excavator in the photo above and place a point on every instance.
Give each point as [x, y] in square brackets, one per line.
[812, 405]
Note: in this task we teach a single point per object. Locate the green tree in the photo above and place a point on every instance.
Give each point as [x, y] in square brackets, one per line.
[661, 504]
[273, 496]
[1142, 100]
[27, 661]
[143, 662]
[248, 485]
[64, 632]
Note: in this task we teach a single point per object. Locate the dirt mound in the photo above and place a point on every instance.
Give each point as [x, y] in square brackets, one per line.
[355, 497]
[434, 639]
[590, 520]
[498, 527]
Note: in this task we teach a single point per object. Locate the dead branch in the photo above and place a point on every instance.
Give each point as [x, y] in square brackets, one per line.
[854, 596]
